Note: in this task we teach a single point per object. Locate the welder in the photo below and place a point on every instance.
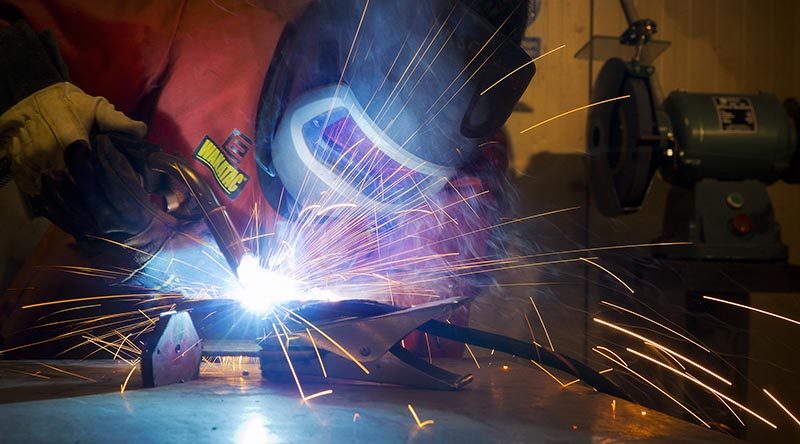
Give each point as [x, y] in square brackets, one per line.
[90, 89]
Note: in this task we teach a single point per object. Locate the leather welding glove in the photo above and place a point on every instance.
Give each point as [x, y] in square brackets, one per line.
[41, 113]
[36, 131]
[100, 199]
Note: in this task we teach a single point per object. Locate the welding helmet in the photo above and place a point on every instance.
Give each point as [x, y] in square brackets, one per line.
[375, 104]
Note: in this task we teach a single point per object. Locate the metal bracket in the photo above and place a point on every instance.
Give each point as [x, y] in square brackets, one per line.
[173, 352]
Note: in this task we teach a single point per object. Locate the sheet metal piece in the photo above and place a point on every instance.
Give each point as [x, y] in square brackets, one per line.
[173, 352]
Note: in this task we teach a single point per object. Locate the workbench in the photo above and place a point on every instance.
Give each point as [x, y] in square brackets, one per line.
[510, 401]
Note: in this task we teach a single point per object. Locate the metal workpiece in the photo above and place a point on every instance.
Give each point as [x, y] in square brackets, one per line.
[173, 353]
[510, 401]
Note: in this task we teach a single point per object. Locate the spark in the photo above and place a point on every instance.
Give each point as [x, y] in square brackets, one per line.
[335, 207]
[530, 329]
[325, 335]
[502, 224]
[87, 271]
[152, 321]
[101, 346]
[68, 373]
[609, 272]
[655, 322]
[655, 344]
[125, 384]
[703, 385]
[521, 67]
[416, 59]
[428, 344]
[188, 349]
[314, 344]
[349, 55]
[416, 418]
[289, 361]
[36, 375]
[433, 117]
[602, 372]
[730, 410]
[663, 392]
[580, 108]
[115, 296]
[606, 248]
[317, 395]
[794, 321]
[468, 349]
[477, 54]
[616, 360]
[473, 356]
[548, 373]
[791, 415]
[525, 284]
[121, 343]
[542, 322]
[669, 356]
[82, 307]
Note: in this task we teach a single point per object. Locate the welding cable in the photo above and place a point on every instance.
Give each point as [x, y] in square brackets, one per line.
[525, 350]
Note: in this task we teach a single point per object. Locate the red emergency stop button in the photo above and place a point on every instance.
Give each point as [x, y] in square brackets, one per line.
[742, 224]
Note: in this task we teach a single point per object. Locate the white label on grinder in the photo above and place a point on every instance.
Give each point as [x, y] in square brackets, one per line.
[736, 114]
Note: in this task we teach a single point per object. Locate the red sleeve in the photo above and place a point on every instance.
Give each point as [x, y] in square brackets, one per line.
[113, 48]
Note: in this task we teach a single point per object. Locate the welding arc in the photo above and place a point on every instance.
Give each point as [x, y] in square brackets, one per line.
[524, 350]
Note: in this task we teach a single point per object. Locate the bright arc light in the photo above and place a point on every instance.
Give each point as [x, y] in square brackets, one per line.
[261, 288]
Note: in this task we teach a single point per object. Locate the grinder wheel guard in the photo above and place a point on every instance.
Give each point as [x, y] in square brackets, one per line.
[623, 137]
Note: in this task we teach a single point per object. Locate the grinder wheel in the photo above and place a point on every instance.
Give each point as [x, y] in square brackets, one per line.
[623, 138]
[792, 175]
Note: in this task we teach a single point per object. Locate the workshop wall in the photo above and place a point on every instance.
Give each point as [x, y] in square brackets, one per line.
[742, 46]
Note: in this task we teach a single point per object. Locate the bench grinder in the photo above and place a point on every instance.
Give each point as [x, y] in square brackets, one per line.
[717, 151]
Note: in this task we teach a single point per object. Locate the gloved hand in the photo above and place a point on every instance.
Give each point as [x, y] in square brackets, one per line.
[102, 201]
[41, 113]
[36, 131]
[100, 194]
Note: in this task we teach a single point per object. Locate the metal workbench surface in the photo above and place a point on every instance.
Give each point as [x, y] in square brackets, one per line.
[81, 402]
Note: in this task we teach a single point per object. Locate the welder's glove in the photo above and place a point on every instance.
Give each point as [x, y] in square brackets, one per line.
[101, 200]
[100, 194]
[41, 113]
[37, 130]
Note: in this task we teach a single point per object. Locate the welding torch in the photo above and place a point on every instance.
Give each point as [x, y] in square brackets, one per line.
[214, 214]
